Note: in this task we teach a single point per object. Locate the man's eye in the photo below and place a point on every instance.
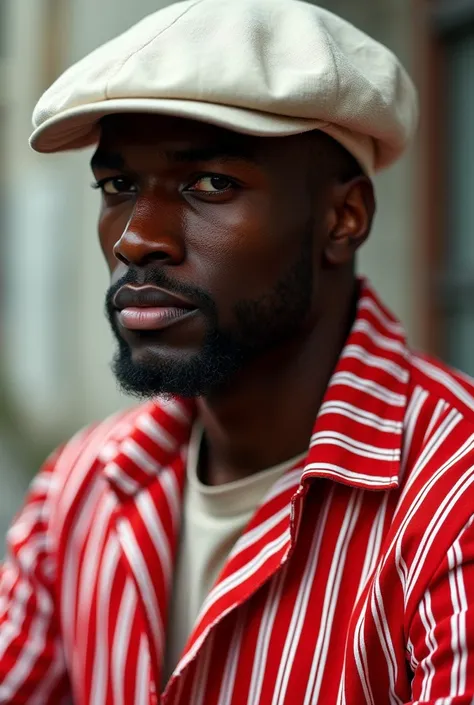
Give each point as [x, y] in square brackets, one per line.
[115, 185]
[212, 184]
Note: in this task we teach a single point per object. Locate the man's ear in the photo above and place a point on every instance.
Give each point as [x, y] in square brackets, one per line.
[351, 219]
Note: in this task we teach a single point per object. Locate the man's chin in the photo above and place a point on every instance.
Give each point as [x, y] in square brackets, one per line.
[145, 377]
[145, 381]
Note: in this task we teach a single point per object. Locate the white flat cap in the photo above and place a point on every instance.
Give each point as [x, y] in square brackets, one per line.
[260, 67]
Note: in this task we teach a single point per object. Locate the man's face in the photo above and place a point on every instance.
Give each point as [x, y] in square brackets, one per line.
[213, 240]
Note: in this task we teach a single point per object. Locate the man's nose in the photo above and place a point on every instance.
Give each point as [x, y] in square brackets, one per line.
[152, 233]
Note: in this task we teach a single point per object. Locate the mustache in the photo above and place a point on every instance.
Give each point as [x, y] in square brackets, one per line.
[157, 277]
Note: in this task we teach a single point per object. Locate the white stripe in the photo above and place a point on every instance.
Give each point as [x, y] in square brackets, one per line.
[247, 570]
[126, 483]
[360, 655]
[300, 608]
[170, 487]
[447, 505]
[156, 432]
[361, 416]
[37, 638]
[264, 636]
[358, 352]
[341, 695]
[429, 624]
[435, 416]
[142, 575]
[16, 614]
[371, 388]
[157, 533]
[80, 460]
[385, 637]
[32, 517]
[198, 692]
[373, 546]
[29, 552]
[413, 660]
[289, 481]
[179, 689]
[100, 675]
[142, 685]
[424, 459]
[233, 655]
[9, 574]
[455, 635]
[445, 379]
[255, 535]
[333, 585]
[415, 405]
[121, 643]
[91, 535]
[92, 543]
[401, 566]
[363, 449]
[458, 620]
[381, 341]
[139, 456]
[390, 324]
[72, 568]
[51, 678]
[328, 469]
[108, 452]
[408, 515]
[43, 484]
[175, 409]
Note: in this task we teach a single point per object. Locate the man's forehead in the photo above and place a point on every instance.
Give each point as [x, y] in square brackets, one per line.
[185, 140]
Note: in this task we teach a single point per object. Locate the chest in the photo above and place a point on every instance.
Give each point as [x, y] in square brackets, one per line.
[298, 622]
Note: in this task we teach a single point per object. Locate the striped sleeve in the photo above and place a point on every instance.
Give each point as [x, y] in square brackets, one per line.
[441, 634]
[32, 668]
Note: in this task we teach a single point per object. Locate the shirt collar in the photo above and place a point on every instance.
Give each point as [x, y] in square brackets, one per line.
[357, 436]
[358, 433]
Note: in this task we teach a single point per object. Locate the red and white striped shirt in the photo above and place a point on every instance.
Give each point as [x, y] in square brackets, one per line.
[353, 583]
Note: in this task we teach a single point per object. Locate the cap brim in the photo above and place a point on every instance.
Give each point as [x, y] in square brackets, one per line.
[78, 127]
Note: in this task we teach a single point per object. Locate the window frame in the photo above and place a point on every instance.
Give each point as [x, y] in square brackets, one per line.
[439, 21]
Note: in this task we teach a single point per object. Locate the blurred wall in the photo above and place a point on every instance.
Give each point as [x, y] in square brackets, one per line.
[389, 258]
[56, 344]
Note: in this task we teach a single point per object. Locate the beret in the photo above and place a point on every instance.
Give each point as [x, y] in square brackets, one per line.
[260, 67]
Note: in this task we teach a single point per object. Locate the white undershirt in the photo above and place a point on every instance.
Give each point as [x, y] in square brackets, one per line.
[213, 519]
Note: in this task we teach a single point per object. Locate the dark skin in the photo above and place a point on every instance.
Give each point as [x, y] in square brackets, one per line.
[228, 221]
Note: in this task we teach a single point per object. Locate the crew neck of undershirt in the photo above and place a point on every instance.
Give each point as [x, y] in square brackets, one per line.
[233, 498]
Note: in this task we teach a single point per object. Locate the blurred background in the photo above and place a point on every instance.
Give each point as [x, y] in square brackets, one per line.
[55, 344]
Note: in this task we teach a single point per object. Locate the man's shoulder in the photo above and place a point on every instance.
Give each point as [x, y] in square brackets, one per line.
[86, 454]
[435, 500]
[76, 478]
[437, 459]
[442, 384]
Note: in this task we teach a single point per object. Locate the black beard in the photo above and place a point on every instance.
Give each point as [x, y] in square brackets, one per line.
[260, 325]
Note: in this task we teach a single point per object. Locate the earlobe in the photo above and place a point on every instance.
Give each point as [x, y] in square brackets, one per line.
[340, 248]
[352, 221]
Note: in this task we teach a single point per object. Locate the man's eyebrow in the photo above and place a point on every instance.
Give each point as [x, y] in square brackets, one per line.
[107, 160]
[209, 153]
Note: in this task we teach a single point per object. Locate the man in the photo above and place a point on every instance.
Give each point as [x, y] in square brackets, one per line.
[286, 518]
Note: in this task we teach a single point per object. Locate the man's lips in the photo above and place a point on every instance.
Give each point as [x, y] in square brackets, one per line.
[149, 308]
[151, 318]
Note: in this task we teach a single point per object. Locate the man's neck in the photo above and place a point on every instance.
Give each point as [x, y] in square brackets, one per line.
[268, 415]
